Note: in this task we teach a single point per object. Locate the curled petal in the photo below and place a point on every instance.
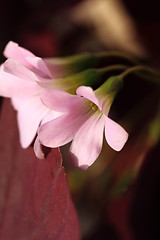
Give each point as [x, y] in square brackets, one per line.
[87, 143]
[28, 59]
[14, 51]
[88, 93]
[115, 135]
[39, 67]
[38, 149]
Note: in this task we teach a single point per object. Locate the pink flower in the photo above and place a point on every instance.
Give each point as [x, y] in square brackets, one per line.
[18, 81]
[83, 122]
[23, 78]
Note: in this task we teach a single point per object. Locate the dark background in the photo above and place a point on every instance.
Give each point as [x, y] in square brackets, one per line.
[34, 25]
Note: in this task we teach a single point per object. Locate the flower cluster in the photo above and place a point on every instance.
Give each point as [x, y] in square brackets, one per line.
[59, 109]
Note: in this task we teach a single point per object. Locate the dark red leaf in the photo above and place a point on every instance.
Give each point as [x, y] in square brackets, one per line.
[35, 202]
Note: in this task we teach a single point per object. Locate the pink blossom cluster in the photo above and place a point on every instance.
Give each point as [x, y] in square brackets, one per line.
[52, 116]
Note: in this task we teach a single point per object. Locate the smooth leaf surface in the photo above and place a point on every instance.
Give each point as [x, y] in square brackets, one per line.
[35, 202]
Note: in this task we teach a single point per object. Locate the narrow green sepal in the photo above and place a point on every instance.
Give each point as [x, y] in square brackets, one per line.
[64, 66]
[107, 91]
[70, 83]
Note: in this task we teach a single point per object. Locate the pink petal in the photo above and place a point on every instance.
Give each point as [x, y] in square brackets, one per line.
[59, 100]
[17, 69]
[13, 86]
[14, 51]
[87, 143]
[16, 103]
[38, 149]
[57, 132]
[28, 59]
[57, 68]
[50, 116]
[88, 93]
[115, 135]
[30, 113]
[62, 130]
[40, 65]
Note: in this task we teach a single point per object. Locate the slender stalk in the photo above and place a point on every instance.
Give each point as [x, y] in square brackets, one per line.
[139, 68]
[112, 68]
[117, 54]
[142, 71]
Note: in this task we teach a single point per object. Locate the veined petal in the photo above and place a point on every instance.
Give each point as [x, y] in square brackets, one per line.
[88, 93]
[57, 132]
[14, 51]
[105, 100]
[87, 143]
[13, 86]
[30, 113]
[115, 135]
[62, 130]
[59, 100]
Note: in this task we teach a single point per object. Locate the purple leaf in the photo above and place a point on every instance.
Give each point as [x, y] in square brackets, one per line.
[35, 202]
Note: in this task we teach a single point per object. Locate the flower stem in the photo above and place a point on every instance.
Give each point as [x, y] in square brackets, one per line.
[143, 68]
[118, 55]
[139, 68]
[112, 68]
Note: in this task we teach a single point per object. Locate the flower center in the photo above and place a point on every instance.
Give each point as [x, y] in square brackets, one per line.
[94, 106]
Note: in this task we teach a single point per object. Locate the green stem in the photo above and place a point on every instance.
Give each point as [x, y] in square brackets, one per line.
[139, 68]
[145, 69]
[112, 68]
[117, 54]
[142, 71]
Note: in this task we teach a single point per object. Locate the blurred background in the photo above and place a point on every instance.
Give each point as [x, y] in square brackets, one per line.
[118, 197]
[53, 28]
